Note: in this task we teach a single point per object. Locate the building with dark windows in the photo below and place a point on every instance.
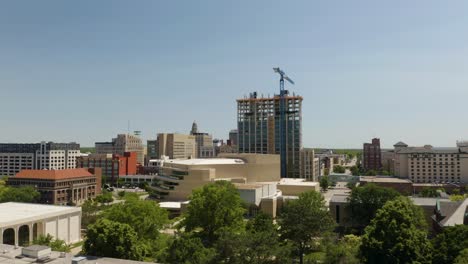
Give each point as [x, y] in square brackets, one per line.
[436, 165]
[371, 156]
[258, 126]
[41, 156]
[70, 186]
[204, 142]
[113, 166]
[121, 144]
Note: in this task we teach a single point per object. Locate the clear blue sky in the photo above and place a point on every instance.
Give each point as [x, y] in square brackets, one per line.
[78, 70]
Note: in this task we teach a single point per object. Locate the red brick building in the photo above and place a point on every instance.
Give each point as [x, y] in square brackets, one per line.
[112, 165]
[371, 156]
[70, 186]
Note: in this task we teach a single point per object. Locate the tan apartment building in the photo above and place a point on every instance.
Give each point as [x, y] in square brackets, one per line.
[310, 168]
[121, 144]
[204, 143]
[176, 146]
[429, 164]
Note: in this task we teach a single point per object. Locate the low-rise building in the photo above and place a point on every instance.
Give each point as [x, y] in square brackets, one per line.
[341, 213]
[21, 223]
[257, 177]
[113, 165]
[61, 187]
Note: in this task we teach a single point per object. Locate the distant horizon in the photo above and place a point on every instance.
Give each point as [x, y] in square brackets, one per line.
[79, 71]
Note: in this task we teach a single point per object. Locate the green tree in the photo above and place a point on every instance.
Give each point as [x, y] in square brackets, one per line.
[429, 192]
[111, 239]
[457, 197]
[89, 212]
[105, 197]
[214, 208]
[355, 170]
[189, 249]
[364, 202]
[462, 258]
[339, 169]
[326, 171]
[371, 173]
[259, 244]
[146, 217]
[303, 220]
[397, 234]
[344, 251]
[448, 244]
[324, 183]
[384, 173]
[25, 194]
[54, 244]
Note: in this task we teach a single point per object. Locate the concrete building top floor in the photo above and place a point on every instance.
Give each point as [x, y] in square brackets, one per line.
[215, 161]
[16, 213]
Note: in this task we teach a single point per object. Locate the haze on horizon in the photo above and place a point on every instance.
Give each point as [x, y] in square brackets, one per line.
[78, 71]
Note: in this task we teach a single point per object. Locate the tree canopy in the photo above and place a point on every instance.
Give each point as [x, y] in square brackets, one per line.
[189, 249]
[304, 219]
[213, 209]
[343, 251]
[146, 217]
[324, 183]
[107, 238]
[448, 244]
[24, 194]
[364, 202]
[396, 235]
[339, 169]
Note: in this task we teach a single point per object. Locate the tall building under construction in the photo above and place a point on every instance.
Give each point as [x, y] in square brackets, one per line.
[258, 123]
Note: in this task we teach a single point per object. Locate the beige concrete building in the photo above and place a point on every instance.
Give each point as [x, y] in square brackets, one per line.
[204, 143]
[257, 177]
[310, 168]
[429, 164]
[176, 146]
[20, 223]
[121, 144]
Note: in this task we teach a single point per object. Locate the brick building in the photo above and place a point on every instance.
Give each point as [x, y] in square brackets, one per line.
[112, 165]
[70, 186]
[372, 159]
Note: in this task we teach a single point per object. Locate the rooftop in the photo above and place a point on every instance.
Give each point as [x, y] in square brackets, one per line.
[296, 181]
[11, 213]
[8, 254]
[456, 217]
[383, 179]
[205, 161]
[53, 174]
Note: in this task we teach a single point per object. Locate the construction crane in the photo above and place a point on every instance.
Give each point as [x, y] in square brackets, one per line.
[283, 93]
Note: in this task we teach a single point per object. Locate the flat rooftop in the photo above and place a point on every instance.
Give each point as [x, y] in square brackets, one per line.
[296, 181]
[12, 213]
[205, 161]
[383, 179]
[8, 254]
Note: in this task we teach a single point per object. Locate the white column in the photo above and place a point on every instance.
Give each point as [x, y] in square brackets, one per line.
[1, 235]
[68, 231]
[30, 226]
[16, 230]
